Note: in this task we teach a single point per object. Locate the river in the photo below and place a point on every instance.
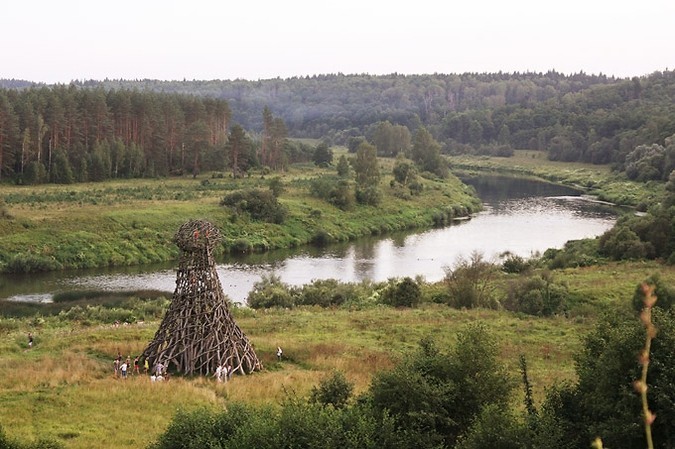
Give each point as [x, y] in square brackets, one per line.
[523, 217]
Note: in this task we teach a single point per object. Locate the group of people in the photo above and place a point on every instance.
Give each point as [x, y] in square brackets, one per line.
[223, 373]
[121, 368]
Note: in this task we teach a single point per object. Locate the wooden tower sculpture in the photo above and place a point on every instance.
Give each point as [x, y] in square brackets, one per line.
[198, 332]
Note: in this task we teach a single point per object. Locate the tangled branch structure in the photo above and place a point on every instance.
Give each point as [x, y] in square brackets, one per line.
[198, 332]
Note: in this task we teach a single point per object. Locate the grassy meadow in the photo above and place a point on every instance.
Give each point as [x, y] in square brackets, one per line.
[64, 389]
[130, 222]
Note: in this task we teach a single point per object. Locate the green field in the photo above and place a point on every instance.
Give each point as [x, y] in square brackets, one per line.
[132, 222]
[64, 389]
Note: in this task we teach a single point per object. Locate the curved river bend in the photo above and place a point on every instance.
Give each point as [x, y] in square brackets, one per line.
[520, 216]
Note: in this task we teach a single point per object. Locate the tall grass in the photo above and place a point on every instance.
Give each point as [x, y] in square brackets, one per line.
[63, 388]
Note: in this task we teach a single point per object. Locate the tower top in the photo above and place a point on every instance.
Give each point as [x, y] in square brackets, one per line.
[197, 235]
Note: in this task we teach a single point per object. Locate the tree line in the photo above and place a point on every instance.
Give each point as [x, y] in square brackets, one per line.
[578, 117]
[65, 134]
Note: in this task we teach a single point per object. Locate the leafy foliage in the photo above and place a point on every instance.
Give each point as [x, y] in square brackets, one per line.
[603, 403]
[536, 295]
[270, 291]
[323, 155]
[469, 283]
[435, 395]
[259, 204]
[335, 390]
[368, 174]
[664, 292]
[338, 192]
[401, 293]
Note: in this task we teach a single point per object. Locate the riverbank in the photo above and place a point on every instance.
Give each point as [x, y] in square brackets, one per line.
[596, 180]
[132, 222]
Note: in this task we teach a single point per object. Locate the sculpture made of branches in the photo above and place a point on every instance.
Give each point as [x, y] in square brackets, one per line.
[198, 332]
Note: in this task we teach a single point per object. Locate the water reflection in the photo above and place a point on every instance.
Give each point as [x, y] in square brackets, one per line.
[520, 217]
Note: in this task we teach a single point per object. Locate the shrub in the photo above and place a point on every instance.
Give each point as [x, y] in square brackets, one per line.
[31, 263]
[322, 237]
[338, 192]
[621, 242]
[190, 430]
[575, 253]
[259, 204]
[515, 264]
[603, 402]
[495, 427]
[241, 246]
[401, 293]
[536, 295]
[270, 292]
[664, 293]
[436, 395]
[276, 186]
[369, 194]
[469, 283]
[4, 211]
[324, 293]
[334, 390]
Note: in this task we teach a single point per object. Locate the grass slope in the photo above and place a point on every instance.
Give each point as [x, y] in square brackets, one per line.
[133, 222]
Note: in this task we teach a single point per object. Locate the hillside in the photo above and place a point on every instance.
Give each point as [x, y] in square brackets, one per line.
[579, 117]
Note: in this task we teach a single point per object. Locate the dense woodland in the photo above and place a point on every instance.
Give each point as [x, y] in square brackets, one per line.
[576, 117]
[65, 134]
[117, 128]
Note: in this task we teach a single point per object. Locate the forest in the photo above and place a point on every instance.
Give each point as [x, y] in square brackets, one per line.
[147, 128]
[577, 117]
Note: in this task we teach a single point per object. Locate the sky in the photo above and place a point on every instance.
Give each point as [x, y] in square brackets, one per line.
[57, 41]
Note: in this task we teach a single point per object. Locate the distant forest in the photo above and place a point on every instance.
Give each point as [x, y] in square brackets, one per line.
[579, 117]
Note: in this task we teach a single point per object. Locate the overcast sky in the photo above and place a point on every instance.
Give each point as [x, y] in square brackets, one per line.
[62, 40]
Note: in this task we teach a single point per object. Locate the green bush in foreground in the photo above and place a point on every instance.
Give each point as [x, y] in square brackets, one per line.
[425, 402]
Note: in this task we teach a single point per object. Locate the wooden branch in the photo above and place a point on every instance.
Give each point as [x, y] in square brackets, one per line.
[198, 332]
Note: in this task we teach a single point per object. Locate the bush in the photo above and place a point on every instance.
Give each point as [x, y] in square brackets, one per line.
[369, 194]
[536, 295]
[325, 293]
[495, 427]
[190, 430]
[401, 293]
[515, 264]
[664, 293]
[270, 292]
[322, 238]
[469, 283]
[4, 211]
[575, 253]
[603, 402]
[241, 246]
[31, 263]
[334, 390]
[276, 186]
[621, 242]
[338, 192]
[258, 204]
[436, 395]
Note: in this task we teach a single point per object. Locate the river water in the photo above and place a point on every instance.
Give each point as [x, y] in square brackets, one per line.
[523, 217]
